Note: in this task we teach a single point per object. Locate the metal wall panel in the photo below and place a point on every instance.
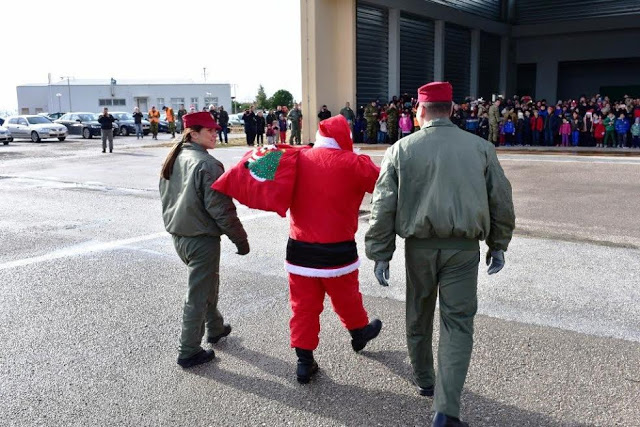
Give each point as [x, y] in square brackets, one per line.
[491, 9]
[539, 11]
[372, 54]
[489, 65]
[457, 56]
[416, 53]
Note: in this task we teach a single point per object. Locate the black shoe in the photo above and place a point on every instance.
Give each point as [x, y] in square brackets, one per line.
[360, 337]
[307, 366]
[203, 357]
[226, 331]
[442, 420]
[423, 391]
[111, 151]
[104, 151]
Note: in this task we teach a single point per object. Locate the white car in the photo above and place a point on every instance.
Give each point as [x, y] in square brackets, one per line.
[5, 135]
[35, 128]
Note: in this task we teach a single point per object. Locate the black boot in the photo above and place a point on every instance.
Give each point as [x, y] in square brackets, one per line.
[225, 331]
[360, 337]
[443, 420]
[203, 356]
[307, 366]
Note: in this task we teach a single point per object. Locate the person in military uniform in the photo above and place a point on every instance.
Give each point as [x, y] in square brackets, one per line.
[494, 120]
[181, 112]
[371, 116]
[348, 114]
[392, 122]
[443, 190]
[196, 216]
[295, 115]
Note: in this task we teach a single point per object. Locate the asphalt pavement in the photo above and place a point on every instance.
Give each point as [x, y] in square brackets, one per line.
[91, 298]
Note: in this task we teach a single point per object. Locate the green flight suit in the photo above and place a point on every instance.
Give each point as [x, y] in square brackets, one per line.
[371, 116]
[443, 190]
[494, 120]
[196, 216]
[295, 116]
[392, 124]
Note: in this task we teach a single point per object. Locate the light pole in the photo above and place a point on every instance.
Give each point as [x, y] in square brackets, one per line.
[69, 88]
[59, 95]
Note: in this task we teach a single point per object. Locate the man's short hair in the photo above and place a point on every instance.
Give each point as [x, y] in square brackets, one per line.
[438, 108]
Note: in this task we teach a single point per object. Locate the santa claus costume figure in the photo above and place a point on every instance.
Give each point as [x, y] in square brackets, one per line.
[322, 257]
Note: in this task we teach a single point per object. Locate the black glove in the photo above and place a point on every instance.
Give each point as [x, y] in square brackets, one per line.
[381, 271]
[243, 247]
[496, 259]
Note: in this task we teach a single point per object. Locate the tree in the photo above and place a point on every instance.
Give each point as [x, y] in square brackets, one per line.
[281, 97]
[261, 98]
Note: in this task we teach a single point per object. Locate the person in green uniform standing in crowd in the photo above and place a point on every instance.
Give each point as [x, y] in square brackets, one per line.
[392, 122]
[295, 115]
[181, 113]
[443, 190]
[196, 216]
[371, 116]
[348, 114]
[494, 120]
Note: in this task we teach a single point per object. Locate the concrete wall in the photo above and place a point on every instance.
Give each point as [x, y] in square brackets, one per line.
[86, 97]
[328, 58]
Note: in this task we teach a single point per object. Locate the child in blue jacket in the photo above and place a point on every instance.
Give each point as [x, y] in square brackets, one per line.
[509, 132]
[622, 127]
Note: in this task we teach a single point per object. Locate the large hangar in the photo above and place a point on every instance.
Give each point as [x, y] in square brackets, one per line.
[359, 51]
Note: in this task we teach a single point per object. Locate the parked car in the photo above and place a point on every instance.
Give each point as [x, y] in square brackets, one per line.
[126, 124]
[163, 125]
[35, 128]
[85, 124]
[52, 116]
[236, 119]
[5, 135]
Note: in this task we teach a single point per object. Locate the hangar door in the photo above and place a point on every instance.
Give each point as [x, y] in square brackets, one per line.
[457, 57]
[372, 54]
[489, 78]
[416, 53]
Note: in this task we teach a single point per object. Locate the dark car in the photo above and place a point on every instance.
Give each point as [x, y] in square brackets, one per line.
[163, 125]
[85, 124]
[126, 124]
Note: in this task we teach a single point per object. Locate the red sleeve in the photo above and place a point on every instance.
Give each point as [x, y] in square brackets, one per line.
[368, 173]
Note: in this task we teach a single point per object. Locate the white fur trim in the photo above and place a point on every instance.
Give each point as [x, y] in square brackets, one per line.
[325, 142]
[322, 272]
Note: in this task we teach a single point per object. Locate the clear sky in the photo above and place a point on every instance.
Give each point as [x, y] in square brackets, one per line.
[243, 42]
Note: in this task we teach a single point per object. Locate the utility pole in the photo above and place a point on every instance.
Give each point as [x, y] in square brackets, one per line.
[204, 72]
[69, 88]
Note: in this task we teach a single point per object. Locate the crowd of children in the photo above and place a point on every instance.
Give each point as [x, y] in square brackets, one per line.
[595, 121]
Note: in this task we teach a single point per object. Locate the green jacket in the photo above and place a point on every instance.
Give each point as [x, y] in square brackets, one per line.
[440, 182]
[189, 206]
[494, 114]
[370, 113]
[348, 114]
[609, 124]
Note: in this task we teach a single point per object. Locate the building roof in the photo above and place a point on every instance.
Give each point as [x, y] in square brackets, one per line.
[126, 82]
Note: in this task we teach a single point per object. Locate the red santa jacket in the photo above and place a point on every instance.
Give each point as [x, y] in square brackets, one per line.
[330, 185]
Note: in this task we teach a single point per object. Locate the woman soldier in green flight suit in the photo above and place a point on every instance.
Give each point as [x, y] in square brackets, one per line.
[196, 216]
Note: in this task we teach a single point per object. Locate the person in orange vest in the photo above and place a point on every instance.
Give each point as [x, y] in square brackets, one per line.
[171, 120]
[154, 119]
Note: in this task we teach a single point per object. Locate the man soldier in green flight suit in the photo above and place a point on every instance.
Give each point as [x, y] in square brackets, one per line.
[443, 190]
[295, 115]
[348, 114]
[371, 116]
[494, 120]
[392, 122]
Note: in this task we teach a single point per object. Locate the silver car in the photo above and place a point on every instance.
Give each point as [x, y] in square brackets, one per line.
[5, 135]
[35, 128]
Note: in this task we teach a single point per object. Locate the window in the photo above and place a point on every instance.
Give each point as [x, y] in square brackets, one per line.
[13, 121]
[176, 102]
[120, 102]
[194, 103]
[160, 103]
[22, 122]
[105, 102]
[211, 100]
[24, 111]
[110, 102]
[38, 110]
[66, 117]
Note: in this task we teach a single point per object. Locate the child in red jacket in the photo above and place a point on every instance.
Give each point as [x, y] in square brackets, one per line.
[565, 131]
[598, 131]
[537, 124]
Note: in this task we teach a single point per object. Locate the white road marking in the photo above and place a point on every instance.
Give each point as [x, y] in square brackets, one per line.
[88, 247]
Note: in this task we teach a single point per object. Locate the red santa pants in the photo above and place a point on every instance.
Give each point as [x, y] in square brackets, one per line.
[283, 136]
[306, 295]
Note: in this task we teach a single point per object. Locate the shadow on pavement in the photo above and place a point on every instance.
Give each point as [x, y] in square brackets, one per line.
[352, 405]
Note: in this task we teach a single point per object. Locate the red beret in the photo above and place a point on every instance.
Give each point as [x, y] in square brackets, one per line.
[202, 118]
[436, 92]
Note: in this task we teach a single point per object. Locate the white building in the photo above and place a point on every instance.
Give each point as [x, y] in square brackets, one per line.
[94, 95]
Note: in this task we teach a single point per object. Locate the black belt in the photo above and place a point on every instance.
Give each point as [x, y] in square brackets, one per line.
[321, 255]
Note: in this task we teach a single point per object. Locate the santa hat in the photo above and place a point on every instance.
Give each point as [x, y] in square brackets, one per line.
[334, 133]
